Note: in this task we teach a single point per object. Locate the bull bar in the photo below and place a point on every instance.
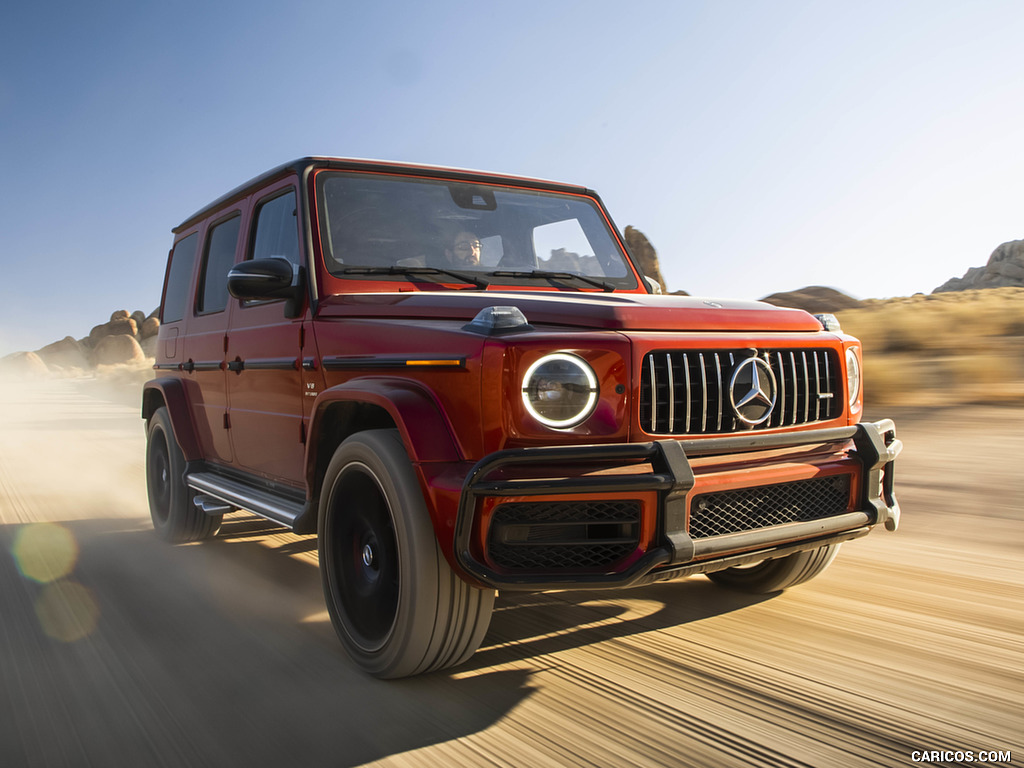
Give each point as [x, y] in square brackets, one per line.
[875, 445]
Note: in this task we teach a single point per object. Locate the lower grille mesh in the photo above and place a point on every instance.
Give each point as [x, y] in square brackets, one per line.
[716, 514]
[580, 535]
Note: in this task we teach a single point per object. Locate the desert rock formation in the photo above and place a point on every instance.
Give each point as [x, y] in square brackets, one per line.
[125, 339]
[814, 299]
[1005, 268]
[645, 255]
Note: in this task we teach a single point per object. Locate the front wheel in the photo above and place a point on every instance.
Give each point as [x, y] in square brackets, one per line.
[776, 575]
[394, 601]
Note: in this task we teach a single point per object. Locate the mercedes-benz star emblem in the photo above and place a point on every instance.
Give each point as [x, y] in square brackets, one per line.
[752, 391]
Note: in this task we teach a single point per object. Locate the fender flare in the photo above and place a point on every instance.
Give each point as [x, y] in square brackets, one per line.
[170, 392]
[426, 432]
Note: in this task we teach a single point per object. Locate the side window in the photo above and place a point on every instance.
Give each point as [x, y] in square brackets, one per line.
[563, 246]
[277, 232]
[217, 261]
[179, 275]
[491, 251]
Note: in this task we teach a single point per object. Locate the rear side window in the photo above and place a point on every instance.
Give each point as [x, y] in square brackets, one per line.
[221, 244]
[179, 276]
[277, 232]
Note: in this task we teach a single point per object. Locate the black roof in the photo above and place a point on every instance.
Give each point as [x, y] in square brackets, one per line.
[303, 165]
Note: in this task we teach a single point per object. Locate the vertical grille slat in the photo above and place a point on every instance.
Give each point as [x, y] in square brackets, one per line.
[817, 389]
[654, 395]
[671, 394]
[688, 392]
[807, 389]
[794, 390]
[718, 377]
[781, 380]
[689, 404]
[704, 396]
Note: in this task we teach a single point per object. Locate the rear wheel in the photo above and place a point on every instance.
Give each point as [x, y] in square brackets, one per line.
[393, 599]
[175, 517]
[776, 575]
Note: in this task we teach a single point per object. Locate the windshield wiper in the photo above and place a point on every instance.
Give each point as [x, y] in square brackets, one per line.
[462, 277]
[546, 275]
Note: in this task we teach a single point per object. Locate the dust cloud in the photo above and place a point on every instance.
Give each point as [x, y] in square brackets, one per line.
[72, 448]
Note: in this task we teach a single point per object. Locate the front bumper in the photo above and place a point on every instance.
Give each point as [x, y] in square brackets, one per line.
[869, 451]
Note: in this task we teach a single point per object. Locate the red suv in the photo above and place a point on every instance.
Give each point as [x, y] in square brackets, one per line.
[461, 382]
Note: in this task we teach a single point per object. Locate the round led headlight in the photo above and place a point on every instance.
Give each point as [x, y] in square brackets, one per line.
[852, 376]
[560, 390]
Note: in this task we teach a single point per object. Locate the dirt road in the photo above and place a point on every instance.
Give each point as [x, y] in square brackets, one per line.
[119, 650]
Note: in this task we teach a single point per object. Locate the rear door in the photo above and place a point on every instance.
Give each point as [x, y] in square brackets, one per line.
[207, 340]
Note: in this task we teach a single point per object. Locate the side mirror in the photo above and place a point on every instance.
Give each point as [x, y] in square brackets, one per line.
[263, 279]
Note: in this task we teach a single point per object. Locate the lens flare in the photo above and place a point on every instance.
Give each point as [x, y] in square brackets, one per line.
[45, 552]
[66, 611]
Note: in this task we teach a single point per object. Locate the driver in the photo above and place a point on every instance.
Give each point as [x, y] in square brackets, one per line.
[464, 251]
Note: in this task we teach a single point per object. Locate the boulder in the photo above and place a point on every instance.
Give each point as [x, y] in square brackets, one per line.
[118, 325]
[814, 299]
[150, 327]
[1005, 268]
[117, 349]
[66, 353]
[645, 255]
[23, 364]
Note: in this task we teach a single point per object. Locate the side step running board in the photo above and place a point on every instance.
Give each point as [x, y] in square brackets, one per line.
[210, 505]
[219, 494]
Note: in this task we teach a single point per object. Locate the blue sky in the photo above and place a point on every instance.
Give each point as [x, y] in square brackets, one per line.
[875, 147]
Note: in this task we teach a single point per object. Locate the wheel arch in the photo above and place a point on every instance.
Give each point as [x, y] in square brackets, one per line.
[378, 403]
[170, 393]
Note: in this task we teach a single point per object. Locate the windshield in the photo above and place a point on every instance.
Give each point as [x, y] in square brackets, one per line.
[395, 228]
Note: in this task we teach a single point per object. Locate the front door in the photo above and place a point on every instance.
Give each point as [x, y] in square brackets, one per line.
[264, 348]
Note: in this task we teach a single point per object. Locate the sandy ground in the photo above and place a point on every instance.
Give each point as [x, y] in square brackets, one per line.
[119, 650]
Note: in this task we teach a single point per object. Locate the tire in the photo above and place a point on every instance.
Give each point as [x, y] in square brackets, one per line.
[776, 575]
[395, 603]
[175, 517]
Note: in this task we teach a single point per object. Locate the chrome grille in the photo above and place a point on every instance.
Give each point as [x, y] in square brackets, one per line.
[687, 392]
